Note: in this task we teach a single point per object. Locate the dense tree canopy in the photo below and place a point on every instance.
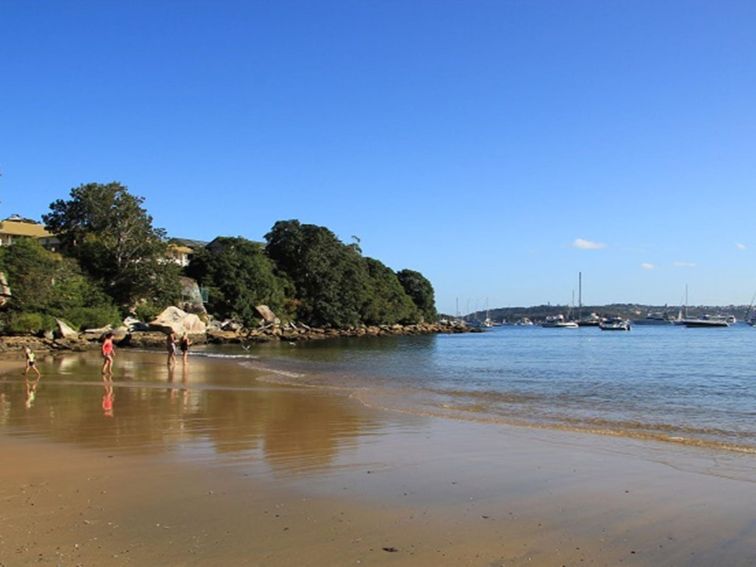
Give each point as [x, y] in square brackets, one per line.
[386, 301]
[238, 276]
[330, 278]
[336, 286]
[420, 291]
[108, 231]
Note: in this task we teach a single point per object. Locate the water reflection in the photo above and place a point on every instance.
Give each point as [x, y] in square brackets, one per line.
[161, 409]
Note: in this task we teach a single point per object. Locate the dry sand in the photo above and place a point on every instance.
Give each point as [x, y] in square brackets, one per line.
[254, 474]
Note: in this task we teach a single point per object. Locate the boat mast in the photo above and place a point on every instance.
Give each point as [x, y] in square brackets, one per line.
[580, 296]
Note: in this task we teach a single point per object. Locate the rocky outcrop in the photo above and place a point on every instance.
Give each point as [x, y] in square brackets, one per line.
[178, 321]
[64, 331]
[266, 313]
[191, 297]
[292, 332]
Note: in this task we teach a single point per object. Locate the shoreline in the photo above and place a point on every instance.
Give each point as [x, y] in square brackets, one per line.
[332, 482]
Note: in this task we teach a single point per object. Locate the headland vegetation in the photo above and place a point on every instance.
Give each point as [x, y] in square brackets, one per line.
[99, 264]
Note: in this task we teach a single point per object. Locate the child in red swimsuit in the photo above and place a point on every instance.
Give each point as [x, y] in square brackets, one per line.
[108, 354]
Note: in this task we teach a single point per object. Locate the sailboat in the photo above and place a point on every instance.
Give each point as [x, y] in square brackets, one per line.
[705, 321]
[592, 320]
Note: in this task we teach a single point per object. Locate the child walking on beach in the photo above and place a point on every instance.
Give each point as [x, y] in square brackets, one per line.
[108, 354]
[31, 362]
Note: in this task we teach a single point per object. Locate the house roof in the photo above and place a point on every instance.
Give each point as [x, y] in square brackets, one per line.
[189, 242]
[180, 249]
[23, 227]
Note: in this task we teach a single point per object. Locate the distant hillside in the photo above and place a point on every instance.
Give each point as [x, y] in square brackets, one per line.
[627, 310]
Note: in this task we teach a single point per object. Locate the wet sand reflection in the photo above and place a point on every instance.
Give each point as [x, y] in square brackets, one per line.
[205, 409]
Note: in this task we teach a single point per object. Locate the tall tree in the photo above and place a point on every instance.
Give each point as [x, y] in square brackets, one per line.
[106, 228]
[420, 291]
[330, 277]
[238, 276]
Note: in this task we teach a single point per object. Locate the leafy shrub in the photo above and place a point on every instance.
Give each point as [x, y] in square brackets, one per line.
[147, 311]
[92, 317]
[28, 323]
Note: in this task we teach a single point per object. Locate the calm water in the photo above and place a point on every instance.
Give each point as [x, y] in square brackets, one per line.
[686, 385]
[694, 386]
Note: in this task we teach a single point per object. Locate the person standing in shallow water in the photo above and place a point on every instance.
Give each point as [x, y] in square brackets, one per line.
[170, 345]
[108, 354]
[184, 345]
[31, 362]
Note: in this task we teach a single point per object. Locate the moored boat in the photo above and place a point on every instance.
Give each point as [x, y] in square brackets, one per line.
[614, 324]
[558, 322]
[654, 318]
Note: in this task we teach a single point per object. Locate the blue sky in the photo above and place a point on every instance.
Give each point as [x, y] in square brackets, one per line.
[480, 142]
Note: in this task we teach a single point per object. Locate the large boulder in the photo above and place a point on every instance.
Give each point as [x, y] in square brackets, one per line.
[191, 297]
[266, 313]
[178, 321]
[64, 331]
[5, 291]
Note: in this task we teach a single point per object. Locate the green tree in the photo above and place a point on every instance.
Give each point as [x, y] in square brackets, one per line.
[420, 291]
[108, 231]
[386, 302]
[329, 277]
[238, 276]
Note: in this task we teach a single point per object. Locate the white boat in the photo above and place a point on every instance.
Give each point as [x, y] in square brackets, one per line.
[524, 322]
[707, 321]
[614, 324]
[558, 322]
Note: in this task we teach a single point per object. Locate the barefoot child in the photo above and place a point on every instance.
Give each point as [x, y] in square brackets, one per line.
[31, 362]
[108, 354]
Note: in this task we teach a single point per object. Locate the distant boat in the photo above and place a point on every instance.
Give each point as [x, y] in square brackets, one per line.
[615, 324]
[524, 322]
[654, 318]
[708, 321]
[592, 320]
[558, 322]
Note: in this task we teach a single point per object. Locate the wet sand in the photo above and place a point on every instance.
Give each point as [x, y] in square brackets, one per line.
[211, 466]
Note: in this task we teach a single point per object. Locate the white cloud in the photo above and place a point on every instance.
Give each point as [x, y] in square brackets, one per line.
[647, 266]
[740, 246]
[583, 244]
[684, 264]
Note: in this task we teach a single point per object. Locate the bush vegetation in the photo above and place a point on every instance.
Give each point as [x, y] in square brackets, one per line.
[113, 262]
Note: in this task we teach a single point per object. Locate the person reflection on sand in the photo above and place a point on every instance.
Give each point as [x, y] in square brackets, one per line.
[108, 398]
[31, 392]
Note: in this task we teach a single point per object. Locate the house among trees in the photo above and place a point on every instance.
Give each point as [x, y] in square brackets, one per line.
[181, 250]
[15, 227]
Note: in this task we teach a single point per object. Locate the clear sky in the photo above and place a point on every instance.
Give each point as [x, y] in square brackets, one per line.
[497, 146]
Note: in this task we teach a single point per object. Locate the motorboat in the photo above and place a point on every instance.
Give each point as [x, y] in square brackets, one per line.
[707, 321]
[654, 318]
[558, 322]
[614, 324]
[592, 320]
[524, 322]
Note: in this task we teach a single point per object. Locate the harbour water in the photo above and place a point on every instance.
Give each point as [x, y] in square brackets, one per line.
[685, 386]
[693, 386]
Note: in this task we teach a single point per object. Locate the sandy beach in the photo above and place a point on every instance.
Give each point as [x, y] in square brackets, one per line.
[209, 465]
